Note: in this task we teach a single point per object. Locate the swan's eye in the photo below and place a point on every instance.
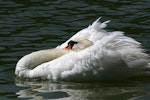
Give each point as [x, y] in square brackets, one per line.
[70, 45]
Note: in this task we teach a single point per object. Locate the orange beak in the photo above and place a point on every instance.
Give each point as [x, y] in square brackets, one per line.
[68, 47]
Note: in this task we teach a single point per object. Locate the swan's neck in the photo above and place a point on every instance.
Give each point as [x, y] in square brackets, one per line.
[34, 59]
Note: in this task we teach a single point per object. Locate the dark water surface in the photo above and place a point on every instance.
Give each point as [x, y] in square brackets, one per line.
[30, 25]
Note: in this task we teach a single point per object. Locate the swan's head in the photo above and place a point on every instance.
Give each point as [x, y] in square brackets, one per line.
[78, 44]
[70, 45]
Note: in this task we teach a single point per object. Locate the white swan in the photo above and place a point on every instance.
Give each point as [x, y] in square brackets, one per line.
[96, 55]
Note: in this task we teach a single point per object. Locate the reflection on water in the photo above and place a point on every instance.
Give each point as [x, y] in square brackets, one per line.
[30, 25]
[83, 91]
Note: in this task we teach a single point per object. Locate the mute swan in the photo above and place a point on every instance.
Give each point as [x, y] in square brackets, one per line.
[92, 54]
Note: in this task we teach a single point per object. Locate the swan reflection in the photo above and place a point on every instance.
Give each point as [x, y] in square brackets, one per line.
[47, 90]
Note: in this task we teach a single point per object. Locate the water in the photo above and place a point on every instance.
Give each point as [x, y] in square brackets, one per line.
[30, 25]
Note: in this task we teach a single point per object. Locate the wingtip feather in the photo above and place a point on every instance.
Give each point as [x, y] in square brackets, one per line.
[98, 25]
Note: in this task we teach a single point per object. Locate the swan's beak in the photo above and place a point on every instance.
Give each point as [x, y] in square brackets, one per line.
[68, 47]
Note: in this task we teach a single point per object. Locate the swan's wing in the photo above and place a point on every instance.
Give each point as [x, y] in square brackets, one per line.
[114, 65]
[108, 65]
[130, 50]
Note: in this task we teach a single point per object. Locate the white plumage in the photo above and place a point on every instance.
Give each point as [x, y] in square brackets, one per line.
[103, 56]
